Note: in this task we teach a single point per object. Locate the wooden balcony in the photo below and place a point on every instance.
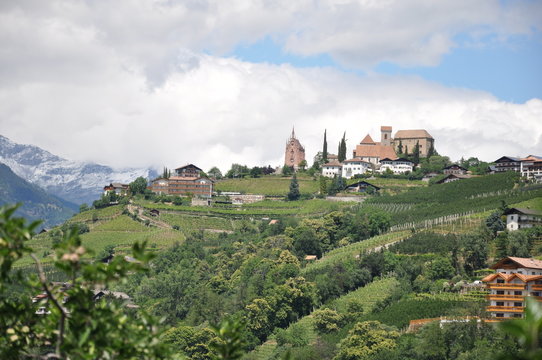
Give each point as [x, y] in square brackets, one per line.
[506, 286]
[499, 297]
[537, 287]
[514, 309]
[499, 319]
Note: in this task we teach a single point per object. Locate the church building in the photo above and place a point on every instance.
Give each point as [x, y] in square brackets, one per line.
[294, 153]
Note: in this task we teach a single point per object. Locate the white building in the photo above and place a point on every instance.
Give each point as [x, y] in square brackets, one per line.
[332, 169]
[397, 166]
[355, 167]
[514, 280]
[531, 168]
[518, 218]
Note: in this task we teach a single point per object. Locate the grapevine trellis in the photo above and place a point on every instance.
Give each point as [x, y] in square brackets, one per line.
[459, 218]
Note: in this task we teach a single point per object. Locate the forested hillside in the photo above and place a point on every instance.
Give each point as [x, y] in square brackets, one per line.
[320, 279]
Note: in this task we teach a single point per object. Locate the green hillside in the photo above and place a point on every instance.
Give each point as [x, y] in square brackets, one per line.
[37, 204]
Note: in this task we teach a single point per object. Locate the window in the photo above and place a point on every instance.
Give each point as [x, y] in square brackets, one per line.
[500, 281]
[500, 292]
[518, 304]
[499, 303]
[520, 272]
[499, 315]
[517, 315]
[518, 292]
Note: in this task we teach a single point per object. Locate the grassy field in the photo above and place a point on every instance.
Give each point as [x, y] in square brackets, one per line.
[272, 185]
[535, 204]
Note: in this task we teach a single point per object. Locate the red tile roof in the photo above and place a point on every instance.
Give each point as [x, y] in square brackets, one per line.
[385, 128]
[368, 140]
[377, 150]
[412, 134]
[521, 262]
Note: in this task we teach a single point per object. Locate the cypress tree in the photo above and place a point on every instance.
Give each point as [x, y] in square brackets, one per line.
[342, 149]
[416, 153]
[324, 150]
[400, 147]
[294, 194]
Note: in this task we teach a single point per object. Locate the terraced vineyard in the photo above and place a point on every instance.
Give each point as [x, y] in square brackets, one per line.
[266, 208]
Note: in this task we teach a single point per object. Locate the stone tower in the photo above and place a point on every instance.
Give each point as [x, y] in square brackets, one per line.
[295, 152]
[385, 136]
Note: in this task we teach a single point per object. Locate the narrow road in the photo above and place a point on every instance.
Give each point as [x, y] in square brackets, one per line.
[138, 211]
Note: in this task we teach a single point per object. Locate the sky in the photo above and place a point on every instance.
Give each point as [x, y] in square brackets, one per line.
[134, 83]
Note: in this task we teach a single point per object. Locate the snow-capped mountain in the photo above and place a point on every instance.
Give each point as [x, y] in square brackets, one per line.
[73, 181]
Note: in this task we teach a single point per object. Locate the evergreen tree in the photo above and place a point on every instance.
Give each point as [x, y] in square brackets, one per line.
[342, 149]
[431, 151]
[406, 150]
[324, 150]
[416, 153]
[323, 185]
[294, 194]
[166, 173]
[400, 147]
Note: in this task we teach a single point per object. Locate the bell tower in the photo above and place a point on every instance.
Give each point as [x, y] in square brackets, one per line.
[385, 135]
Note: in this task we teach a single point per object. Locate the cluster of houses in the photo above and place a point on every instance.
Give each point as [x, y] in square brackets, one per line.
[381, 156]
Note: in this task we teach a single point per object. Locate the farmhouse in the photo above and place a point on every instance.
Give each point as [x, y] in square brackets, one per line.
[118, 188]
[519, 218]
[452, 177]
[514, 279]
[454, 169]
[362, 187]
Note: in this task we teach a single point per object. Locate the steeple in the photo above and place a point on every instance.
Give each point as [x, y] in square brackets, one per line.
[293, 133]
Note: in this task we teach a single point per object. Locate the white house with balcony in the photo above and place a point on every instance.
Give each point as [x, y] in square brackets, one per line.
[397, 166]
[519, 218]
[514, 279]
[355, 167]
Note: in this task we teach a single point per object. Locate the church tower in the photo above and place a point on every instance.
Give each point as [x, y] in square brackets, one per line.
[294, 153]
[385, 135]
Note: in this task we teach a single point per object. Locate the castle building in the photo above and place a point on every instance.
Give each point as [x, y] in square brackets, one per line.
[409, 138]
[294, 153]
[388, 147]
[514, 279]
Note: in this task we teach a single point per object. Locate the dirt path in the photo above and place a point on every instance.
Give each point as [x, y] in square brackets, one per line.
[138, 211]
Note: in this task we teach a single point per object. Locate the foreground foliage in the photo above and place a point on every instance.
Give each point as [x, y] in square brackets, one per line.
[73, 324]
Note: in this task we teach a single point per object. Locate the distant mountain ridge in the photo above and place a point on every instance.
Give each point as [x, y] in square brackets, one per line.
[76, 182]
[36, 203]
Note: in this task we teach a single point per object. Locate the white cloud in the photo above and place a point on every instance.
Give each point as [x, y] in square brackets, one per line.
[224, 110]
[76, 74]
[150, 35]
